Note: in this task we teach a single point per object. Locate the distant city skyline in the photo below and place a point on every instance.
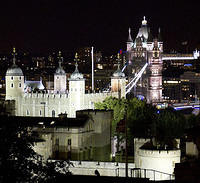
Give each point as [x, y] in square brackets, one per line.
[45, 26]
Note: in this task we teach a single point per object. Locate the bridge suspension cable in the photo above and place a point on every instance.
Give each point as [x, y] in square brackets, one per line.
[124, 68]
[134, 81]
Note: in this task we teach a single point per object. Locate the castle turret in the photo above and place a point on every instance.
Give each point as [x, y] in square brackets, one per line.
[60, 77]
[76, 90]
[160, 41]
[118, 81]
[14, 80]
[130, 40]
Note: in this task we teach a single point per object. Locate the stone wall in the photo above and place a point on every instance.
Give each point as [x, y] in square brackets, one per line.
[104, 168]
[191, 149]
[43, 104]
[138, 142]
[160, 161]
[89, 142]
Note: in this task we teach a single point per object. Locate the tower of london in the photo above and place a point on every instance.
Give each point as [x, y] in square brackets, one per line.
[51, 103]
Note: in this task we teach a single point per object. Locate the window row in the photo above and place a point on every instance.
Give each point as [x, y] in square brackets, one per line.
[12, 85]
[20, 78]
[53, 113]
[76, 89]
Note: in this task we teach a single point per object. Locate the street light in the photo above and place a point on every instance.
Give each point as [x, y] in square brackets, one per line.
[126, 141]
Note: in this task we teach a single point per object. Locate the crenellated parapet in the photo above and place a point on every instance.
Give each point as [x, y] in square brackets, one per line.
[159, 164]
[45, 95]
[159, 153]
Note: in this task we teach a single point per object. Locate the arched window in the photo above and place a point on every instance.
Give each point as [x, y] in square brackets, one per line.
[12, 85]
[53, 113]
[11, 77]
[27, 112]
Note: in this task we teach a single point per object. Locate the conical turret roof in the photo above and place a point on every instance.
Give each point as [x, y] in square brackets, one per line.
[60, 70]
[14, 70]
[76, 74]
[118, 72]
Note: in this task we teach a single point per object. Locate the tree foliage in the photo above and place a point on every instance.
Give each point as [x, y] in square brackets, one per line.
[193, 120]
[144, 120]
[18, 161]
[169, 125]
[118, 107]
[140, 117]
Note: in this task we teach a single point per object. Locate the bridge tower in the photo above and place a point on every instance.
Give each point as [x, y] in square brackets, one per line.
[154, 93]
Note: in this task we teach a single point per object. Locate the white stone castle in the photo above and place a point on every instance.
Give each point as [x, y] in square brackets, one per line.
[60, 100]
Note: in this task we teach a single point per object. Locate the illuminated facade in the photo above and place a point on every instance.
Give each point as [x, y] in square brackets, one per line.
[51, 103]
[85, 138]
[162, 161]
[154, 92]
[60, 80]
[141, 51]
[118, 81]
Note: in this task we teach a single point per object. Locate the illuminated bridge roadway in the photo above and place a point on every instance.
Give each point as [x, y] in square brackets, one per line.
[181, 106]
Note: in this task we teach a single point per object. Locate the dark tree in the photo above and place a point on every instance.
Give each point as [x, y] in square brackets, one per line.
[18, 161]
[169, 125]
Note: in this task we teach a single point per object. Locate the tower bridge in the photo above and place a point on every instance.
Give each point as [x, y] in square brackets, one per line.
[144, 63]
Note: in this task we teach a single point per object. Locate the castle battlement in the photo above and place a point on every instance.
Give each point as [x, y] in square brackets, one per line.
[102, 94]
[159, 153]
[141, 140]
[45, 95]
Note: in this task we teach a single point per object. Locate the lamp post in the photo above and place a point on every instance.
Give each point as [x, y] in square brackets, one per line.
[44, 106]
[92, 55]
[126, 141]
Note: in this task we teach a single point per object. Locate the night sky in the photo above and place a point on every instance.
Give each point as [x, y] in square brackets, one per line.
[44, 25]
